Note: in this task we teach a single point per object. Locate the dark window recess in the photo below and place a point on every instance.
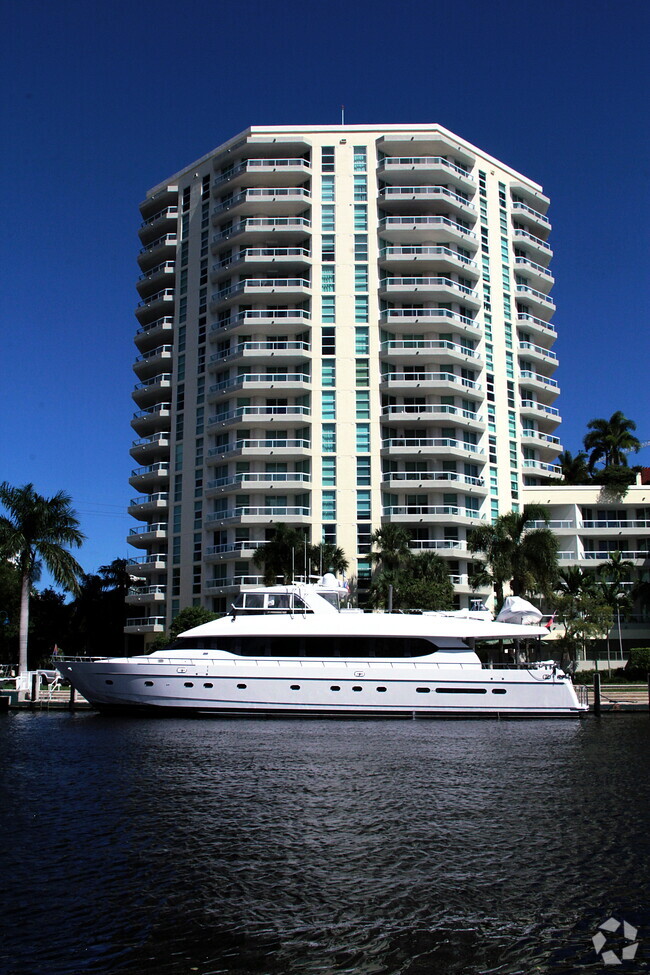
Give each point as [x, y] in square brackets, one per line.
[381, 689]
[109, 681]
[335, 687]
[498, 690]
[188, 683]
[148, 683]
[208, 685]
[356, 688]
[241, 686]
[423, 690]
[461, 690]
[295, 687]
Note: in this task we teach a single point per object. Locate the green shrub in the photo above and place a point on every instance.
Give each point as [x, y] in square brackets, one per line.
[638, 665]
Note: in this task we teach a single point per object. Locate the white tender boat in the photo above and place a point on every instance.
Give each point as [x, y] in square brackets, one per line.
[290, 650]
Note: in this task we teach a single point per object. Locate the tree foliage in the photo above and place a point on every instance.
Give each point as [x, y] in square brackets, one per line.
[284, 556]
[419, 581]
[36, 530]
[609, 441]
[516, 552]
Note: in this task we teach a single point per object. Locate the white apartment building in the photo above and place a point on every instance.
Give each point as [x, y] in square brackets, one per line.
[339, 327]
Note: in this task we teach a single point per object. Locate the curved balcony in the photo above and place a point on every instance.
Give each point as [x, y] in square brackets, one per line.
[523, 213]
[252, 515]
[155, 306]
[160, 224]
[541, 441]
[424, 257]
[238, 550]
[415, 350]
[268, 171]
[161, 249]
[269, 446]
[287, 258]
[400, 414]
[540, 302]
[427, 143]
[157, 278]
[407, 317]
[547, 416]
[142, 564]
[531, 323]
[150, 363]
[280, 382]
[289, 200]
[539, 467]
[426, 230]
[414, 480]
[147, 448]
[260, 481]
[543, 358]
[269, 320]
[532, 243]
[536, 272]
[286, 229]
[152, 391]
[145, 595]
[428, 289]
[431, 513]
[281, 352]
[155, 418]
[287, 289]
[422, 169]
[145, 624]
[436, 446]
[260, 415]
[535, 197]
[150, 335]
[542, 385]
[431, 380]
[150, 477]
[165, 197]
[146, 505]
[453, 547]
[424, 199]
[144, 535]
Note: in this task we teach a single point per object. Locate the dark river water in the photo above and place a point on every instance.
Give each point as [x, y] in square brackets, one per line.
[134, 846]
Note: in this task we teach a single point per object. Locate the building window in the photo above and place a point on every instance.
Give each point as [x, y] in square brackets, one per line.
[327, 272]
[361, 277]
[361, 340]
[360, 188]
[327, 189]
[363, 470]
[328, 404]
[362, 372]
[327, 309]
[361, 247]
[360, 216]
[327, 218]
[363, 404]
[328, 344]
[328, 468]
[360, 159]
[363, 505]
[328, 247]
[329, 505]
[327, 159]
[361, 308]
[329, 438]
[363, 438]
[328, 370]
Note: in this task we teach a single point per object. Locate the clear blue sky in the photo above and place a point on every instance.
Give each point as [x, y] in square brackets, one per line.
[102, 101]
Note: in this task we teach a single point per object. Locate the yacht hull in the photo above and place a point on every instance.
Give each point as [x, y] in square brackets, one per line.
[321, 688]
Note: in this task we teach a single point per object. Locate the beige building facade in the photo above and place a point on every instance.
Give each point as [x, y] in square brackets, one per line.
[339, 327]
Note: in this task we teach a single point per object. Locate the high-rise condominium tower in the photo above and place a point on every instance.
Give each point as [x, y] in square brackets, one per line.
[339, 327]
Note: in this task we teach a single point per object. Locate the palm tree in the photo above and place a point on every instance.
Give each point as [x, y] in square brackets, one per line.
[326, 557]
[35, 529]
[516, 551]
[285, 554]
[574, 469]
[611, 440]
[393, 543]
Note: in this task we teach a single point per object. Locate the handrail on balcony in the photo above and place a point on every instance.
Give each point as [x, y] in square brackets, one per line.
[517, 205]
[425, 282]
[539, 295]
[261, 347]
[423, 409]
[454, 511]
[155, 353]
[429, 313]
[526, 262]
[539, 322]
[531, 347]
[154, 381]
[168, 240]
[430, 221]
[425, 251]
[259, 411]
[166, 212]
[159, 323]
[425, 161]
[393, 345]
[445, 476]
[423, 377]
[532, 404]
[527, 374]
[387, 191]
[147, 529]
[416, 442]
[149, 498]
[268, 443]
[535, 240]
[162, 467]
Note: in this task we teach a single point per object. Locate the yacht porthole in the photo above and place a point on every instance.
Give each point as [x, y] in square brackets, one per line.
[356, 688]
[335, 687]
[241, 686]
[295, 687]
[380, 689]
[109, 681]
[208, 685]
[148, 683]
[423, 690]
[188, 683]
[498, 690]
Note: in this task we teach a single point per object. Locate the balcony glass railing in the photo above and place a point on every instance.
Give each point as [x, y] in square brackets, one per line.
[161, 468]
[527, 374]
[397, 313]
[524, 290]
[166, 295]
[274, 443]
[423, 162]
[398, 192]
[244, 347]
[157, 440]
[266, 511]
[150, 499]
[544, 437]
[425, 222]
[265, 378]
[539, 322]
[257, 165]
[424, 282]
[530, 404]
[417, 442]
[427, 345]
[259, 411]
[427, 377]
[284, 477]
[161, 526]
[165, 322]
[167, 240]
[425, 251]
[263, 254]
[436, 409]
[525, 262]
[261, 284]
[524, 208]
[442, 476]
[538, 465]
[537, 241]
[164, 377]
[529, 347]
[162, 350]
[453, 511]
[262, 224]
[169, 213]
[261, 194]
[616, 523]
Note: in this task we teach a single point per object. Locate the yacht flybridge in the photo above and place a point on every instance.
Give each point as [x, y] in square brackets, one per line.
[291, 650]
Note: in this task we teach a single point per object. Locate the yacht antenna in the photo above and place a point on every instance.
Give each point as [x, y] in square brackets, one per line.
[342, 114]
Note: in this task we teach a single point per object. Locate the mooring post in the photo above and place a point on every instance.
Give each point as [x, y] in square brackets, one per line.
[649, 692]
[596, 693]
[72, 696]
[34, 690]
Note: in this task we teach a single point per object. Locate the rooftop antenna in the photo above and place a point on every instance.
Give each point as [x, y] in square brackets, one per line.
[342, 114]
